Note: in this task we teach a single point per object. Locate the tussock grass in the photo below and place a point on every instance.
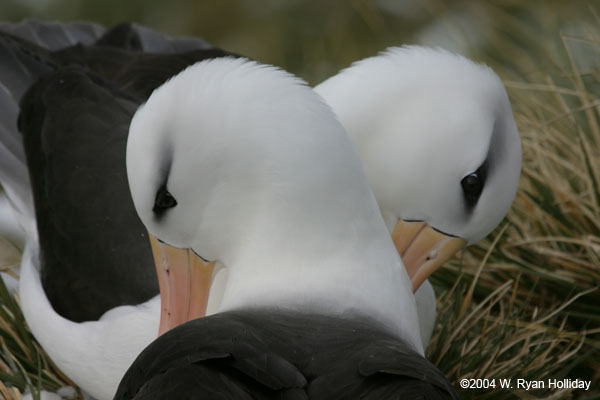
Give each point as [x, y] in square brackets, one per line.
[24, 366]
[525, 302]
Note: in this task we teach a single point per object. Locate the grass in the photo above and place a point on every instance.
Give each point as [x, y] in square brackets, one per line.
[525, 302]
[23, 363]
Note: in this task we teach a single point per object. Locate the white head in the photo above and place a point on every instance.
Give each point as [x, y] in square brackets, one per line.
[245, 164]
[436, 136]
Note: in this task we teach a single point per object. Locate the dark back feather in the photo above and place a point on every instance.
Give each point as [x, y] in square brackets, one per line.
[274, 354]
[83, 86]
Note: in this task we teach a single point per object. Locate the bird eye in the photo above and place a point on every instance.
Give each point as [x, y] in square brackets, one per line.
[472, 186]
[163, 201]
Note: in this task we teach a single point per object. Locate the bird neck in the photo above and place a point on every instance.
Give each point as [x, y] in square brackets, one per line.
[340, 262]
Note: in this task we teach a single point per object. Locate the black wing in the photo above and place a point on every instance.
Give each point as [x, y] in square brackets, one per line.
[19, 68]
[95, 253]
[136, 37]
[271, 353]
[54, 35]
[75, 120]
[391, 372]
[217, 357]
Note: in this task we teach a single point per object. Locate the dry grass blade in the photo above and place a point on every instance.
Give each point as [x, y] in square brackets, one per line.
[10, 393]
[548, 325]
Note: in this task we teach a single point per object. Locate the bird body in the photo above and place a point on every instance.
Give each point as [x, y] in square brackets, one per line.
[257, 206]
[440, 148]
[94, 354]
[317, 303]
[277, 354]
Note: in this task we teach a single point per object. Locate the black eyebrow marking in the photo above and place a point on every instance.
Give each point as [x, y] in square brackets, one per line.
[473, 188]
[163, 201]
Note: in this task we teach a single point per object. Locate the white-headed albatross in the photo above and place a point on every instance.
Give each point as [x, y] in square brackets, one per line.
[242, 163]
[440, 149]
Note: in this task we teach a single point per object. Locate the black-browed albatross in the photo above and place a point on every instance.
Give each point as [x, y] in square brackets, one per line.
[440, 148]
[242, 163]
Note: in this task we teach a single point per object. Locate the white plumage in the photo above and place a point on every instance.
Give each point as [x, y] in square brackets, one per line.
[271, 187]
[94, 354]
[421, 120]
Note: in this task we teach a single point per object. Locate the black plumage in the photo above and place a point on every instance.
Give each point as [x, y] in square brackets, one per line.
[279, 354]
[74, 118]
[95, 253]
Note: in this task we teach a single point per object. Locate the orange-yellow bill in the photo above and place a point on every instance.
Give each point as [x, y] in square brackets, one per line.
[184, 280]
[423, 249]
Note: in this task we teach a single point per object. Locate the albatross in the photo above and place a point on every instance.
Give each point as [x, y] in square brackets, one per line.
[242, 163]
[440, 148]
[103, 340]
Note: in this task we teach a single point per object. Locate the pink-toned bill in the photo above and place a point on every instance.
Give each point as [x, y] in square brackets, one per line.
[184, 280]
[423, 249]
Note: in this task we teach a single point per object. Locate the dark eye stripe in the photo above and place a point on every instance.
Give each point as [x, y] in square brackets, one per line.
[163, 201]
[472, 185]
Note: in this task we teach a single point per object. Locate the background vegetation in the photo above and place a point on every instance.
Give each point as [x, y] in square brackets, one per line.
[524, 303]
